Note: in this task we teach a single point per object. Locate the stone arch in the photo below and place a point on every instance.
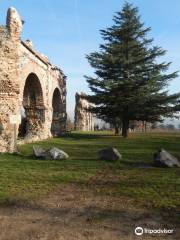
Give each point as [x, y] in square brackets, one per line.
[32, 109]
[57, 113]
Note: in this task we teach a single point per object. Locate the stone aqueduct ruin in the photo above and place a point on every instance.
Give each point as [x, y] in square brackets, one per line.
[83, 119]
[30, 87]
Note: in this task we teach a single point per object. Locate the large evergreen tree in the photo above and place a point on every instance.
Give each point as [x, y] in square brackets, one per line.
[129, 82]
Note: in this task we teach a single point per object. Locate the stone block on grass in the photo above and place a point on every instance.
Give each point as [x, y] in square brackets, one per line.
[109, 154]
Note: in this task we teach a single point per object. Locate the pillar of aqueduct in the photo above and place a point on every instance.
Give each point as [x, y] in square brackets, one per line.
[32, 90]
[84, 120]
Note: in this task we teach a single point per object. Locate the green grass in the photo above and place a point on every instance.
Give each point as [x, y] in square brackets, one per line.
[23, 177]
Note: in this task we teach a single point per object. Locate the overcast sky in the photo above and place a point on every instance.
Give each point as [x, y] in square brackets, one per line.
[67, 30]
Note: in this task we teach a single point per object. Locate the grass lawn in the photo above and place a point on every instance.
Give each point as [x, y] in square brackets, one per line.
[23, 177]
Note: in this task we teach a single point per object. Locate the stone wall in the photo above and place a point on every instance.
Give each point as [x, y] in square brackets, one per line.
[83, 118]
[30, 86]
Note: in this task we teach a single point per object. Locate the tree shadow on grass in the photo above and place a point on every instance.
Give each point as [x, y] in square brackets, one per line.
[78, 136]
[20, 156]
[139, 164]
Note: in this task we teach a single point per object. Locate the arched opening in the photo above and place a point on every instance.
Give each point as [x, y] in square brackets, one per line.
[32, 110]
[57, 113]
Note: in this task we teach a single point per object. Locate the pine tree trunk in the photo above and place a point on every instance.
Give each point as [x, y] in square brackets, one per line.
[125, 128]
[116, 130]
[145, 127]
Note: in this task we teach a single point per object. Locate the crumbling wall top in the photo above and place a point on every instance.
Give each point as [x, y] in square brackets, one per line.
[14, 22]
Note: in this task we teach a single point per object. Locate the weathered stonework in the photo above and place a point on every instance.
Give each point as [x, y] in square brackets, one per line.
[29, 85]
[83, 119]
